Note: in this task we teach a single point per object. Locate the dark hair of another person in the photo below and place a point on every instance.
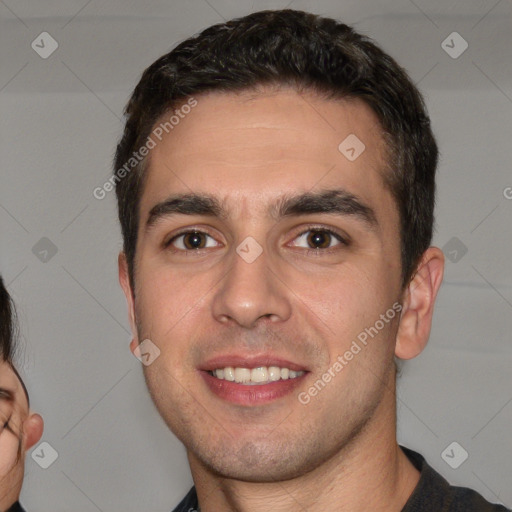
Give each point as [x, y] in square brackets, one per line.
[309, 53]
[7, 324]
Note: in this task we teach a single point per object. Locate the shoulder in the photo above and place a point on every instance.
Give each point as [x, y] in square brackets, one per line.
[433, 492]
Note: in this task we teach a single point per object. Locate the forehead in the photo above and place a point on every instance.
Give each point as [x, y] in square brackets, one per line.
[272, 142]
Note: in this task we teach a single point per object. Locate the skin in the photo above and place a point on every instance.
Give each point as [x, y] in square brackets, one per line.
[299, 302]
[18, 425]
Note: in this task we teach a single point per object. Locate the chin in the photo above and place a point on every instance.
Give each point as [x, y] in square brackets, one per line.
[255, 462]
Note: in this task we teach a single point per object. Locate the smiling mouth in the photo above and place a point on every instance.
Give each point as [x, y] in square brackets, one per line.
[255, 376]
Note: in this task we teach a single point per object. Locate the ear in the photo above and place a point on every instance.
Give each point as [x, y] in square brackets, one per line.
[33, 430]
[124, 281]
[418, 305]
[133, 345]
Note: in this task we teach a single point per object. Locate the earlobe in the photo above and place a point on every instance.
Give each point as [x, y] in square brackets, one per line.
[33, 430]
[418, 305]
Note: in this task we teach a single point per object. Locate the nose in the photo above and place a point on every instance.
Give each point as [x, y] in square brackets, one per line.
[250, 291]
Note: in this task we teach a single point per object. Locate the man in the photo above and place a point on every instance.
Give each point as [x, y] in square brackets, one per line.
[20, 429]
[275, 186]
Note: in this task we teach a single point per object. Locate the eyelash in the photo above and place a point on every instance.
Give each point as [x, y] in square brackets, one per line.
[310, 252]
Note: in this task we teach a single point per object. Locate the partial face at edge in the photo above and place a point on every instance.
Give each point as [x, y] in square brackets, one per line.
[13, 412]
[302, 301]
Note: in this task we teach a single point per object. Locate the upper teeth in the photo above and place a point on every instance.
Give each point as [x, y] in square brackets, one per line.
[261, 374]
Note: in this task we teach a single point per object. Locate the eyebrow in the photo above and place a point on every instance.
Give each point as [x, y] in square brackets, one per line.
[333, 201]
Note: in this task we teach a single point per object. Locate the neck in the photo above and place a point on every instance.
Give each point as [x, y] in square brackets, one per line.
[369, 473]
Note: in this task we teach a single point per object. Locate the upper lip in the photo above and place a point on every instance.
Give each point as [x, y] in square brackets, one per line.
[249, 361]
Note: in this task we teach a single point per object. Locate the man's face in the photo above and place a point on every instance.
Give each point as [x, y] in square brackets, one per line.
[298, 305]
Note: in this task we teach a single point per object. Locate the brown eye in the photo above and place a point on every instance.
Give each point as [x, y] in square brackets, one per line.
[192, 240]
[319, 238]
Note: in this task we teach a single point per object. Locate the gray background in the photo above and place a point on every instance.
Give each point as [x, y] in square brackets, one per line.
[60, 120]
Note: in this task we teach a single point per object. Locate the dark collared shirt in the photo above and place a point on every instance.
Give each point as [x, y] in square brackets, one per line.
[432, 494]
[16, 508]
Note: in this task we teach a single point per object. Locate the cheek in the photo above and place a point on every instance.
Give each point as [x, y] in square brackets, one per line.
[170, 311]
[165, 298]
[347, 309]
[9, 444]
[341, 299]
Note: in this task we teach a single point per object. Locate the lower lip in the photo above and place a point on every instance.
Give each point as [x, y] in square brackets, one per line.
[256, 394]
